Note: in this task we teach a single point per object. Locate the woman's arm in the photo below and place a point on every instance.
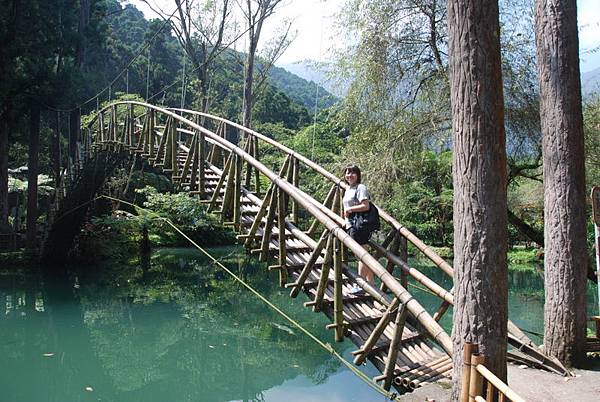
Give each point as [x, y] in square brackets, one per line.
[362, 207]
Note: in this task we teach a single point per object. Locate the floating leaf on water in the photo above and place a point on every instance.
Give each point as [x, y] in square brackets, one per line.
[47, 354]
[211, 346]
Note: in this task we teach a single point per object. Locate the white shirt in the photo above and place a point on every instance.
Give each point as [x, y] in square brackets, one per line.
[353, 196]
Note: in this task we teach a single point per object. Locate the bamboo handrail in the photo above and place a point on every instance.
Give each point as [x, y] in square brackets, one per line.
[428, 252]
[331, 223]
[475, 376]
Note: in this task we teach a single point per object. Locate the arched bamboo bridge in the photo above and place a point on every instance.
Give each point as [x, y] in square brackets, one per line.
[391, 328]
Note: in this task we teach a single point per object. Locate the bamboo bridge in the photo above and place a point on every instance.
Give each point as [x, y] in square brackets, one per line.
[281, 221]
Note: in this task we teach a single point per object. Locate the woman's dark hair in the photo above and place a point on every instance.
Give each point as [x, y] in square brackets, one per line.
[353, 169]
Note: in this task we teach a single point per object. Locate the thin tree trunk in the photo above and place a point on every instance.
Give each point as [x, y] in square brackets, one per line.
[479, 176]
[75, 124]
[32, 166]
[3, 172]
[565, 261]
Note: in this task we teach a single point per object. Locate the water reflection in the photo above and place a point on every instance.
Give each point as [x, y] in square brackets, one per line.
[175, 329]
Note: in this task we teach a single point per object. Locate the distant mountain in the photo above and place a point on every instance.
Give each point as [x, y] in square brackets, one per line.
[307, 70]
[590, 82]
[300, 89]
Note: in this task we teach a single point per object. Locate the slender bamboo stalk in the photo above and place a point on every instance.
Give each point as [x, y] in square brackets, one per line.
[215, 196]
[502, 388]
[476, 381]
[160, 152]
[228, 198]
[281, 214]
[190, 159]
[237, 194]
[201, 162]
[338, 306]
[468, 351]
[313, 227]
[151, 135]
[390, 265]
[310, 263]
[365, 349]
[268, 227]
[325, 267]
[295, 183]
[388, 372]
[258, 218]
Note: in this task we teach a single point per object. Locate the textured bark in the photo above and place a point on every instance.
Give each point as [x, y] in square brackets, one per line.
[565, 261]
[479, 177]
[33, 168]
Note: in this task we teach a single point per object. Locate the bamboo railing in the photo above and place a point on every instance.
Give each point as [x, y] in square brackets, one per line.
[479, 384]
[231, 180]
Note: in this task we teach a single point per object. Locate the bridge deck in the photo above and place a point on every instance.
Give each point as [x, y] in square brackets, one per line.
[391, 329]
[417, 361]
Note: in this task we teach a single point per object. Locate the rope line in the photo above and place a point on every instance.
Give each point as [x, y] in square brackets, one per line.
[392, 396]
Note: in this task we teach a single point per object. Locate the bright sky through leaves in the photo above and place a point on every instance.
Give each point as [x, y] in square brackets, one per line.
[314, 19]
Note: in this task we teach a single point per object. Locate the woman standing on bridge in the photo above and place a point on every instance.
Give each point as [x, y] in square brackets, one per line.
[356, 199]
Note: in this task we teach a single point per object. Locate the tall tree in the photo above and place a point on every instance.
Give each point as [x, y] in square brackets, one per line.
[32, 174]
[255, 13]
[479, 177]
[565, 259]
[202, 31]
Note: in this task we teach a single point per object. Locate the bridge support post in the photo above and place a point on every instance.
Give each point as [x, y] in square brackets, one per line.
[338, 301]
[281, 214]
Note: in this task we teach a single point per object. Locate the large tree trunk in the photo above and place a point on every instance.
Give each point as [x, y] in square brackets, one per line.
[3, 172]
[479, 176]
[565, 259]
[32, 167]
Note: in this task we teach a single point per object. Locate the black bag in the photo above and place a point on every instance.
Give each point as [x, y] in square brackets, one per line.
[367, 220]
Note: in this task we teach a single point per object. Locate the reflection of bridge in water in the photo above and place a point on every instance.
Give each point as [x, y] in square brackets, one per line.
[390, 328]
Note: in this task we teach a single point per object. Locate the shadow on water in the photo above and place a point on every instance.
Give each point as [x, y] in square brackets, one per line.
[173, 328]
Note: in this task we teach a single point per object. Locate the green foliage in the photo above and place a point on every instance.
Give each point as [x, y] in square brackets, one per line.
[423, 199]
[187, 214]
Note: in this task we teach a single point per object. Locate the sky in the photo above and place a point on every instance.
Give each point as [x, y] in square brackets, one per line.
[314, 20]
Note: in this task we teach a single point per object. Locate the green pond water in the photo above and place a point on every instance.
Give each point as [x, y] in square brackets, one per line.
[177, 328]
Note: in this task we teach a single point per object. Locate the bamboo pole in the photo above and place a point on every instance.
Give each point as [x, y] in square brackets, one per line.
[201, 162]
[257, 173]
[268, 227]
[390, 265]
[338, 306]
[228, 198]
[333, 223]
[476, 381]
[215, 196]
[309, 264]
[281, 213]
[258, 218]
[151, 135]
[417, 275]
[325, 267]
[190, 159]
[365, 349]
[161, 145]
[328, 198]
[502, 387]
[237, 194]
[468, 351]
[388, 372]
[295, 183]
[174, 148]
[129, 142]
